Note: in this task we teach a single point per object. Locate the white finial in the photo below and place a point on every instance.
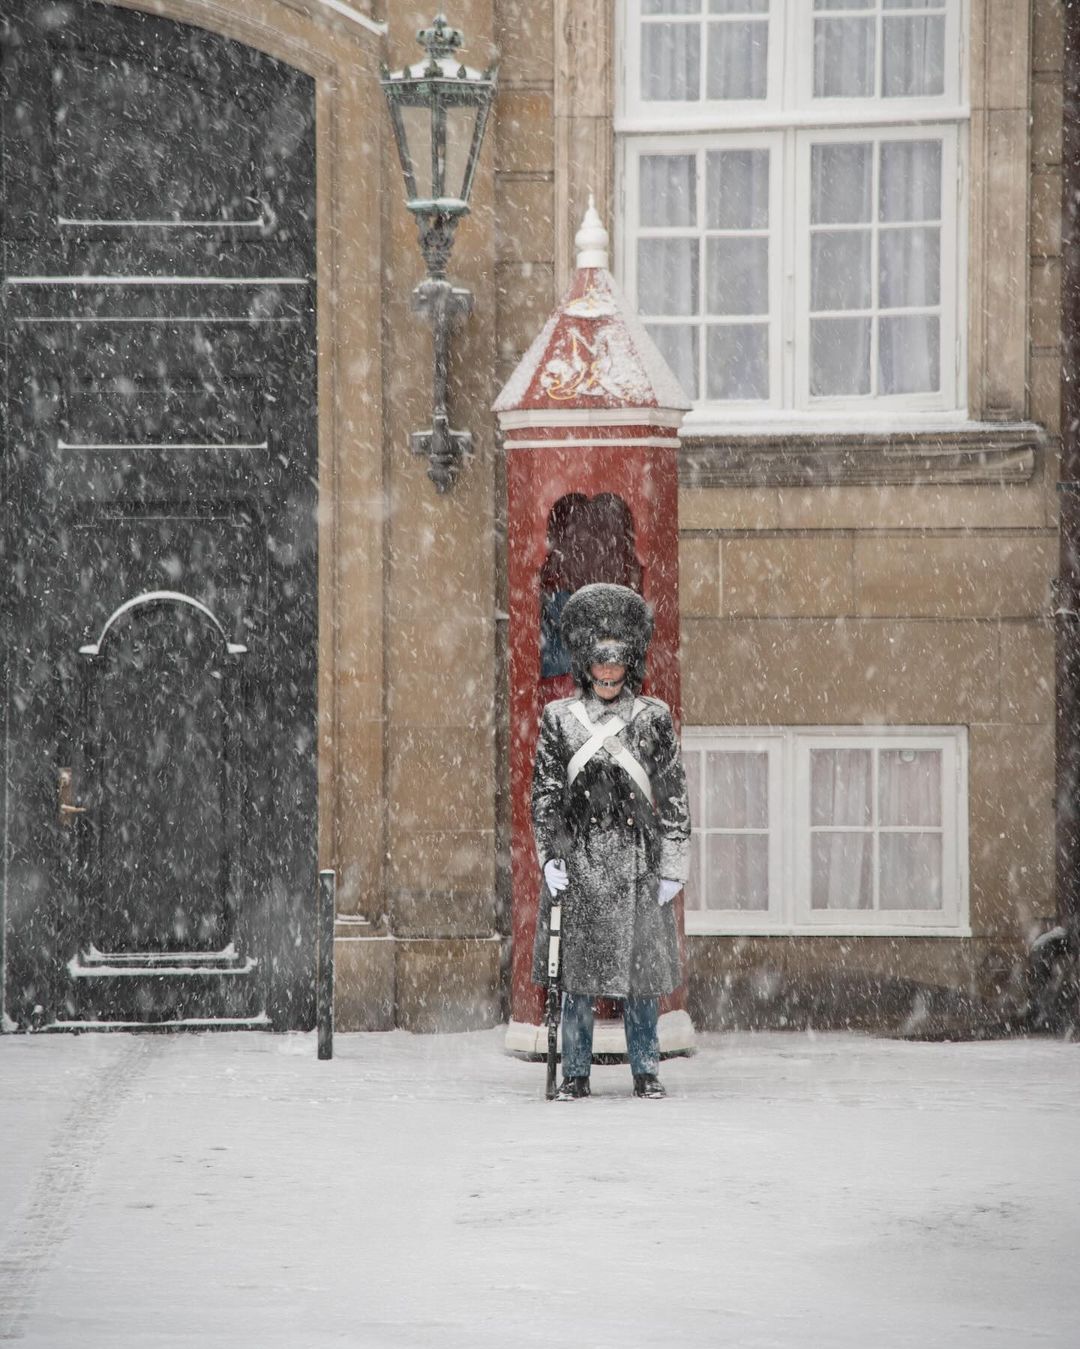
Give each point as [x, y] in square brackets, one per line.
[591, 240]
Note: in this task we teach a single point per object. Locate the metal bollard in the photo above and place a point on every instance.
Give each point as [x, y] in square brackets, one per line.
[324, 985]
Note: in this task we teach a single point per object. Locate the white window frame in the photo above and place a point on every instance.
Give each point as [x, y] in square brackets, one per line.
[658, 114]
[790, 102]
[791, 120]
[951, 369]
[698, 145]
[696, 742]
[801, 33]
[789, 911]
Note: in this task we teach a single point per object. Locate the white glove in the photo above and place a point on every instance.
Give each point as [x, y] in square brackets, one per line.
[668, 891]
[555, 875]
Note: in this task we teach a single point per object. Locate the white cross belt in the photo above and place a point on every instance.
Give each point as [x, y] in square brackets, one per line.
[605, 737]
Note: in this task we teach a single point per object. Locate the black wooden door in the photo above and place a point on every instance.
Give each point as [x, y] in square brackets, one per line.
[159, 542]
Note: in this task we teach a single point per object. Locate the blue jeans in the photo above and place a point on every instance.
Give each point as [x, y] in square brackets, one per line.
[642, 1044]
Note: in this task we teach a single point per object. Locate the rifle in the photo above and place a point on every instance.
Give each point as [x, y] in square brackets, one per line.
[553, 1009]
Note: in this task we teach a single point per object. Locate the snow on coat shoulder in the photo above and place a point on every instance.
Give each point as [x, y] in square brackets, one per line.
[616, 939]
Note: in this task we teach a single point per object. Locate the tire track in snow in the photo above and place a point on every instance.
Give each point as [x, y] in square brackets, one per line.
[60, 1188]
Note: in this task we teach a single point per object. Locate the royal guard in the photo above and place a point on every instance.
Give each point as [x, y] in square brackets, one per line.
[590, 422]
[611, 822]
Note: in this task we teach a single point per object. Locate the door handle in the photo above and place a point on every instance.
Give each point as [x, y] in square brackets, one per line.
[68, 808]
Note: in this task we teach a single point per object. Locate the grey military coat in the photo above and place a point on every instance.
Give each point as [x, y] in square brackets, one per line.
[616, 939]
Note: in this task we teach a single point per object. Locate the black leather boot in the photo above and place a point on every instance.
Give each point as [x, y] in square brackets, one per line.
[648, 1084]
[573, 1089]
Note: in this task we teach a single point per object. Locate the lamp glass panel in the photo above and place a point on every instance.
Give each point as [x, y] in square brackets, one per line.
[460, 125]
[417, 123]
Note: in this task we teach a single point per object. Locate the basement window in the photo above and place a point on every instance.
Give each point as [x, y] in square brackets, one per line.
[828, 830]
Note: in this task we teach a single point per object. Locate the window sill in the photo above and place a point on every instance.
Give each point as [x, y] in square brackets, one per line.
[833, 452]
[664, 118]
[820, 930]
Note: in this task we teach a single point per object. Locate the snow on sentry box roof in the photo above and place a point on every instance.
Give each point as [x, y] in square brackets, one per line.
[593, 354]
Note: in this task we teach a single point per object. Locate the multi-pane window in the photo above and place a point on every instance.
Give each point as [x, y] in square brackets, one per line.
[805, 830]
[791, 223]
[702, 264]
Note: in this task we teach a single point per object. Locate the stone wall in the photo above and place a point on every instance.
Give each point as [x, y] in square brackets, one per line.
[425, 952]
[879, 602]
[922, 604]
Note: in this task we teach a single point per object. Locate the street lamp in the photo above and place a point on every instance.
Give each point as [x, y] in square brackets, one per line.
[439, 109]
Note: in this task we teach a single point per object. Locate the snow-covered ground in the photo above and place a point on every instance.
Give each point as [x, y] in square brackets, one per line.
[794, 1190]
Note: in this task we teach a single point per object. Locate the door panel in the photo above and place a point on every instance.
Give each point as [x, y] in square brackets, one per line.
[161, 812]
[120, 122]
[144, 412]
[160, 533]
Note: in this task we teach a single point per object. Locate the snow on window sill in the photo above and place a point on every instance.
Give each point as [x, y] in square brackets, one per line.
[746, 419]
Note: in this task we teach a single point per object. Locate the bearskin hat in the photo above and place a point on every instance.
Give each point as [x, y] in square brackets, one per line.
[604, 623]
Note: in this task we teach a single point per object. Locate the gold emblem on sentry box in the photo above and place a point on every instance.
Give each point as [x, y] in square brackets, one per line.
[585, 370]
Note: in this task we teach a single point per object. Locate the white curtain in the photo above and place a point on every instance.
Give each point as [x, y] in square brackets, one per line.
[737, 798]
[910, 180]
[737, 789]
[909, 354]
[671, 61]
[909, 263]
[678, 344]
[737, 275]
[841, 183]
[913, 55]
[909, 266]
[844, 57]
[909, 787]
[667, 276]
[692, 764]
[737, 189]
[840, 269]
[671, 6]
[839, 356]
[841, 863]
[737, 60]
[737, 361]
[692, 897]
[841, 871]
[907, 822]
[841, 193]
[910, 871]
[738, 870]
[668, 191]
[909, 795]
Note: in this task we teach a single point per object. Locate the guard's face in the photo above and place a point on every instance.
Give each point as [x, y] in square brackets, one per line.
[607, 680]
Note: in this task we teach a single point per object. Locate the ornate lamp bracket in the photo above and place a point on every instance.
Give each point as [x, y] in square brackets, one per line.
[445, 306]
